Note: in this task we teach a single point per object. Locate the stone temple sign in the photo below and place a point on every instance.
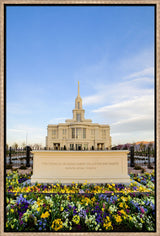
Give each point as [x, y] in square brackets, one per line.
[80, 166]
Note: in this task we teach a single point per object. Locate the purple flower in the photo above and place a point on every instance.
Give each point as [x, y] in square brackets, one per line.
[82, 213]
[134, 188]
[21, 222]
[145, 209]
[127, 211]
[20, 214]
[99, 218]
[74, 212]
[70, 207]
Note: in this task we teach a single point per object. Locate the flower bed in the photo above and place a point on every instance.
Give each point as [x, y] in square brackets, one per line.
[146, 179]
[13, 185]
[81, 207]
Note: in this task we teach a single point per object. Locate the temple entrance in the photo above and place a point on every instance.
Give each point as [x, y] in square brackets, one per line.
[78, 146]
[71, 146]
[56, 146]
[100, 146]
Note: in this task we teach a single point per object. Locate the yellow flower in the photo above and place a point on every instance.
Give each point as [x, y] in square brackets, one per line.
[124, 199]
[12, 210]
[61, 208]
[107, 223]
[121, 205]
[45, 215]
[126, 206]
[57, 224]
[118, 218]
[76, 219]
[38, 209]
[93, 199]
[122, 212]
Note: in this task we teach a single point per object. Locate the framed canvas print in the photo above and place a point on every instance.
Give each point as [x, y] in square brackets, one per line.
[80, 117]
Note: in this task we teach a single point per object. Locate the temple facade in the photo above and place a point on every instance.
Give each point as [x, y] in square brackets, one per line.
[78, 133]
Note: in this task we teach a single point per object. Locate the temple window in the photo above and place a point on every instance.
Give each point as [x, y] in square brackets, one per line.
[84, 132]
[73, 132]
[54, 132]
[78, 133]
[78, 117]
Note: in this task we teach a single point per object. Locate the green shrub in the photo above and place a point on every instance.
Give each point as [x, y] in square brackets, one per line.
[9, 166]
[150, 167]
[137, 167]
[22, 167]
[143, 170]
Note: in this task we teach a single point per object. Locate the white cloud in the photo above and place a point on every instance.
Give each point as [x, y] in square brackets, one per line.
[135, 105]
[127, 106]
[95, 99]
[134, 124]
[146, 72]
[21, 132]
[120, 91]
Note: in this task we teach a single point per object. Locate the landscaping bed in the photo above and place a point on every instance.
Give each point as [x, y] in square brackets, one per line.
[80, 207]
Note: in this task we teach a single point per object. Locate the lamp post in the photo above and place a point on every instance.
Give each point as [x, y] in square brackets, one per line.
[28, 156]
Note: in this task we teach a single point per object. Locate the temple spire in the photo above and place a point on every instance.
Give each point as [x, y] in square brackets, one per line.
[78, 89]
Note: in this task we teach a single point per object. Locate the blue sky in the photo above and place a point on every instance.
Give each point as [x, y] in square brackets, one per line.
[108, 49]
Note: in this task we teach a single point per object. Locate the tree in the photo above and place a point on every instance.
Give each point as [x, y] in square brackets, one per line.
[23, 145]
[150, 145]
[125, 147]
[15, 146]
[37, 146]
[141, 146]
[134, 144]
